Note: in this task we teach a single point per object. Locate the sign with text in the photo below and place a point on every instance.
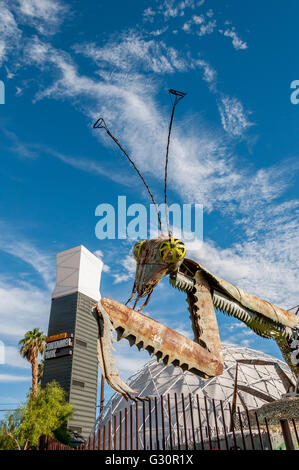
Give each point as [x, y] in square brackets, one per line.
[49, 339]
[63, 343]
[53, 353]
[59, 345]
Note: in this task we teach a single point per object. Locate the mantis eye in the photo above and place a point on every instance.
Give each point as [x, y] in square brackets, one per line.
[137, 249]
[172, 250]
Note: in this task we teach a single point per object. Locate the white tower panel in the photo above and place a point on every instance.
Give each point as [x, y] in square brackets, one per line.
[78, 270]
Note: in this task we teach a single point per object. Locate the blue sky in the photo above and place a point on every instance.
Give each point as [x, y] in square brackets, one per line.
[234, 149]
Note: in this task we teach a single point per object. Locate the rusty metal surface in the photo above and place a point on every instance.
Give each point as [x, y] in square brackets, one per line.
[204, 321]
[256, 393]
[156, 338]
[249, 301]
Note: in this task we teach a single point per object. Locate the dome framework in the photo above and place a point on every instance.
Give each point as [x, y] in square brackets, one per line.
[191, 408]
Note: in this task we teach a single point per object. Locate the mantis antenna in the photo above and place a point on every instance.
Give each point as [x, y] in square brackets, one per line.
[100, 124]
[178, 96]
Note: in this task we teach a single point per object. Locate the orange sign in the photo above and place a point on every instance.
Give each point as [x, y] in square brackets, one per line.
[49, 339]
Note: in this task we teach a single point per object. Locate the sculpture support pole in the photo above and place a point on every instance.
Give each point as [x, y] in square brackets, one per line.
[102, 394]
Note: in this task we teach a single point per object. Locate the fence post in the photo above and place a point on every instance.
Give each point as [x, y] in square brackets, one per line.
[42, 443]
[287, 434]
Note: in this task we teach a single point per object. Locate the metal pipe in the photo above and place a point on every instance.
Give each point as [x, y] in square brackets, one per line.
[157, 424]
[137, 429]
[200, 425]
[259, 431]
[192, 421]
[169, 420]
[295, 429]
[287, 434]
[150, 423]
[144, 437]
[177, 421]
[163, 424]
[232, 425]
[216, 425]
[224, 424]
[241, 427]
[184, 419]
[208, 423]
[126, 429]
[269, 437]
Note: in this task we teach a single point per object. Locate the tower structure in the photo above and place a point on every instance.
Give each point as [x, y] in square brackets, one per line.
[71, 350]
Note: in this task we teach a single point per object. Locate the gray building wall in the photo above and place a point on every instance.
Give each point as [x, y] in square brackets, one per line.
[78, 373]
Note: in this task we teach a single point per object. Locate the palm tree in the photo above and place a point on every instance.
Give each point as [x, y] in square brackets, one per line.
[40, 370]
[32, 344]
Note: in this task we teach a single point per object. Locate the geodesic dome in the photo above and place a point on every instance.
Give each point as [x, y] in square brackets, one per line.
[190, 402]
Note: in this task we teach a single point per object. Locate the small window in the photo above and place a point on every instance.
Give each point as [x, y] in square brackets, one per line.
[78, 384]
[81, 343]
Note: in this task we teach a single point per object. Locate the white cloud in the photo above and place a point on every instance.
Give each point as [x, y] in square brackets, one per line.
[8, 378]
[265, 267]
[233, 117]
[128, 269]
[22, 149]
[186, 27]
[33, 150]
[14, 359]
[88, 165]
[204, 22]
[42, 263]
[149, 14]
[9, 32]
[172, 8]
[100, 255]
[158, 32]
[209, 74]
[236, 41]
[207, 28]
[198, 19]
[44, 15]
[132, 52]
[23, 307]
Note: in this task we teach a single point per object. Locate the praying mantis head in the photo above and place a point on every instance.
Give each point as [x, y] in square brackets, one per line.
[155, 258]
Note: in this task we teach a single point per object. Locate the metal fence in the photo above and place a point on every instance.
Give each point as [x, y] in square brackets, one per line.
[190, 422]
[48, 443]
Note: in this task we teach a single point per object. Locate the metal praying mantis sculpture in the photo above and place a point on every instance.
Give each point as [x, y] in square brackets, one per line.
[165, 256]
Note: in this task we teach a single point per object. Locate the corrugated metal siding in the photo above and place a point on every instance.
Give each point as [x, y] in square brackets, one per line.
[85, 366]
[72, 314]
[62, 319]
[63, 314]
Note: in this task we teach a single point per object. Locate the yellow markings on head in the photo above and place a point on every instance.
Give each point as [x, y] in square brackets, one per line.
[172, 251]
[137, 248]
